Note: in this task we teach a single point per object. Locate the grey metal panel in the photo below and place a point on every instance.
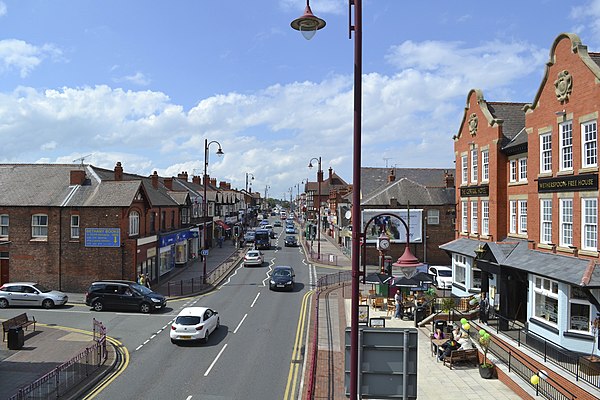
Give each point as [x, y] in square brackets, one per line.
[388, 363]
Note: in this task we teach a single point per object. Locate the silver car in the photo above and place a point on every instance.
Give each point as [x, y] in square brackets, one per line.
[30, 294]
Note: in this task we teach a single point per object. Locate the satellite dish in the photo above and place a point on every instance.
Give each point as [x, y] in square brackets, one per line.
[348, 214]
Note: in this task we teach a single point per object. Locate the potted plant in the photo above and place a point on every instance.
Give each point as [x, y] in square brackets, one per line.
[591, 364]
[486, 369]
[447, 305]
[430, 295]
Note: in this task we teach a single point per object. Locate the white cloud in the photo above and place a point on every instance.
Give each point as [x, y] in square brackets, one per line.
[138, 79]
[3, 9]
[24, 57]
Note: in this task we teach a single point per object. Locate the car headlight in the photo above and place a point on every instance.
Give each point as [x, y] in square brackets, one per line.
[272, 282]
[288, 283]
[155, 300]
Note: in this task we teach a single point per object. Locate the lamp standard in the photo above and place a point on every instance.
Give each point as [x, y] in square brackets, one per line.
[309, 22]
[319, 180]
[267, 187]
[205, 208]
[252, 177]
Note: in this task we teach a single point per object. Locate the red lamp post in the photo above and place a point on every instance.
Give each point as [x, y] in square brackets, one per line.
[319, 180]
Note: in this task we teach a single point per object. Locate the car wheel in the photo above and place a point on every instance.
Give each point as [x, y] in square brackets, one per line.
[205, 340]
[3, 303]
[145, 308]
[97, 306]
[173, 341]
[47, 303]
[218, 323]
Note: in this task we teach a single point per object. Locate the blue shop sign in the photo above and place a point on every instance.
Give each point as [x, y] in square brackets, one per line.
[173, 238]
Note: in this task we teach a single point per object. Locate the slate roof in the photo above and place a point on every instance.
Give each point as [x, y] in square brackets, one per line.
[512, 115]
[327, 185]
[408, 191]
[516, 254]
[372, 179]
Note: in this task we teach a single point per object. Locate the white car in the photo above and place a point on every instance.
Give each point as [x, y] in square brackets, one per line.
[253, 257]
[194, 323]
[442, 276]
[30, 294]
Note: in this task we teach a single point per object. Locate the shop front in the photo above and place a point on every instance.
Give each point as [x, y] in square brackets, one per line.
[176, 248]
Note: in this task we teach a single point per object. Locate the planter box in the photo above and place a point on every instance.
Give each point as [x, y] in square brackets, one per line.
[485, 372]
[590, 365]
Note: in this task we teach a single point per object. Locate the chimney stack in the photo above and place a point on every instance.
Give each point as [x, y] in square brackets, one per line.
[77, 177]
[183, 176]
[155, 180]
[222, 185]
[330, 174]
[118, 172]
[196, 179]
[449, 179]
[392, 176]
[213, 182]
[168, 183]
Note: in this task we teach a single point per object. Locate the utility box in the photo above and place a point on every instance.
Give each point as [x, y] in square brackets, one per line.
[16, 338]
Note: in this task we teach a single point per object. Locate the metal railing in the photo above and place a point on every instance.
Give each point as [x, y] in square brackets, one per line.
[63, 378]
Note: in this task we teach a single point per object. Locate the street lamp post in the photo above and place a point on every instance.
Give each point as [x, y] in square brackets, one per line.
[252, 177]
[309, 22]
[205, 204]
[319, 180]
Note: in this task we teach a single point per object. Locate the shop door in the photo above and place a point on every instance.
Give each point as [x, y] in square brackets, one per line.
[3, 271]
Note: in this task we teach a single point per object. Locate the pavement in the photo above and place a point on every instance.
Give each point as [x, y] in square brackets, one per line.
[50, 346]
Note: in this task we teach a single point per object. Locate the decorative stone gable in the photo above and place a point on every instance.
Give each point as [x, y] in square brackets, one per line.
[563, 86]
[473, 123]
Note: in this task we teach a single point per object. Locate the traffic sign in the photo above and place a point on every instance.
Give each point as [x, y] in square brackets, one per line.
[203, 252]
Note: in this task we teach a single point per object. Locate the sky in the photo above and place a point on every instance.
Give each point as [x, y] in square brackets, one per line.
[146, 82]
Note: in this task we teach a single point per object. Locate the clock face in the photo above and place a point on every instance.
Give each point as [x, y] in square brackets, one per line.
[384, 244]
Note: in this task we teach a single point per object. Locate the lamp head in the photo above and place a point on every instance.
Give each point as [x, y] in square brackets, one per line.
[220, 152]
[310, 164]
[308, 24]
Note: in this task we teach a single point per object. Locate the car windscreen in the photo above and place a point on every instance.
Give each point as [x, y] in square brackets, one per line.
[445, 273]
[253, 254]
[41, 288]
[188, 320]
[141, 289]
[282, 272]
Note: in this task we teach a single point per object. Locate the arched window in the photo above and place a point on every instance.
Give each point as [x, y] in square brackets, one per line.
[134, 223]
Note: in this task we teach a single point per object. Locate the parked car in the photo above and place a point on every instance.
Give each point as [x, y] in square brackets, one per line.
[291, 241]
[125, 295]
[442, 276]
[253, 257]
[277, 224]
[282, 277]
[30, 294]
[194, 323]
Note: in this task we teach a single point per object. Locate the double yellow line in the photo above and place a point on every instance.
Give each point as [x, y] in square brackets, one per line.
[297, 360]
[123, 354]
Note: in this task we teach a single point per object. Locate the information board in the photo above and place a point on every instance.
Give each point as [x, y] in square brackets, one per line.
[102, 237]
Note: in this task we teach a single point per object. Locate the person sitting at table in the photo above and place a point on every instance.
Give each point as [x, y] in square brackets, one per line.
[447, 348]
[465, 343]
[438, 334]
[456, 333]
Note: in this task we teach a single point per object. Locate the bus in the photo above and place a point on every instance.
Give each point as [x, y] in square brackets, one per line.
[262, 239]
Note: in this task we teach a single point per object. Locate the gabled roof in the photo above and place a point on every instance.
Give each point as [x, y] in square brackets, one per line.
[406, 191]
[372, 178]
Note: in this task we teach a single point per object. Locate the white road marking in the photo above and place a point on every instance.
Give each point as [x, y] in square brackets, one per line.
[189, 397]
[232, 275]
[240, 324]
[256, 298]
[152, 337]
[139, 347]
[215, 360]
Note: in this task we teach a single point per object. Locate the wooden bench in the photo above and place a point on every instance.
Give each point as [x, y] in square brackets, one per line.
[20, 320]
[460, 356]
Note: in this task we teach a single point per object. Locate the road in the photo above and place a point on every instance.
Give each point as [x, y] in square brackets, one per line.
[257, 353]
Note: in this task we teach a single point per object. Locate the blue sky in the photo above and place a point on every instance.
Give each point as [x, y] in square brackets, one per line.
[144, 82]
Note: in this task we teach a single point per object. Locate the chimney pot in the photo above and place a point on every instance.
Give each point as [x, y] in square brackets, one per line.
[118, 172]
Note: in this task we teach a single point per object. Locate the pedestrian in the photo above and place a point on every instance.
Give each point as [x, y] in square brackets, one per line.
[141, 280]
[484, 308]
[398, 301]
[146, 281]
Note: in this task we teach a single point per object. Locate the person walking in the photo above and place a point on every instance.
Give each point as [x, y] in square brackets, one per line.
[398, 301]
[147, 281]
[484, 308]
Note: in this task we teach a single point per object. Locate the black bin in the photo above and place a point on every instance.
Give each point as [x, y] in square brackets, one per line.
[441, 325]
[16, 338]
[419, 314]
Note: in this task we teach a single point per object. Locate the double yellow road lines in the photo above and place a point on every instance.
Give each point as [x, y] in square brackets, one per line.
[298, 356]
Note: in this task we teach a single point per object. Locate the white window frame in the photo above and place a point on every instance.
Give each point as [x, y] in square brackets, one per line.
[589, 221]
[513, 171]
[485, 165]
[547, 288]
[566, 146]
[4, 225]
[464, 216]
[546, 221]
[512, 207]
[485, 217]
[39, 226]
[134, 223]
[474, 215]
[546, 152]
[581, 326]
[465, 169]
[523, 169]
[474, 166]
[522, 217]
[74, 226]
[433, 217]
[566, 222]
[459, 275]
[589, 144]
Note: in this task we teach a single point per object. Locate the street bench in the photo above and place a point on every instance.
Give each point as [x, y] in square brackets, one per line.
[20, 321]
[457, 356]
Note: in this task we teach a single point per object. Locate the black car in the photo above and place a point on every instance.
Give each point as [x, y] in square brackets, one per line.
[291, 241]
[282, 277]
[124, 295]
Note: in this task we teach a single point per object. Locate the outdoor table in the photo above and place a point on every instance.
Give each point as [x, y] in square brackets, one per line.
[435, 346]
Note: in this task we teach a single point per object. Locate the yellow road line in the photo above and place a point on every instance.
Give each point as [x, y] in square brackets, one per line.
[110, 378]
[295, 364]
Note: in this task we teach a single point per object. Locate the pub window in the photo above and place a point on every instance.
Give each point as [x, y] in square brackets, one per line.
[513, 216]
[546, 221]
[589, 136]
[460, 270]
[39, 226]
[74, 226]
[522, 169]
[566, 146]
[545, 299]
[485, 165]
[546, 152]
[513, 170]
[580, 310]
[474, 215]
[4, 222]
[566, 222]
[464, 216]
[485, 217]
[465, 169]
[590, 224]
[474, 166]
[522, 216]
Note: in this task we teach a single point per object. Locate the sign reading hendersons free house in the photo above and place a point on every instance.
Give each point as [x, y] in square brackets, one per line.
[102, 237]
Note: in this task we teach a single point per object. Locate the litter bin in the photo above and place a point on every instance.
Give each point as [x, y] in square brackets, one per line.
[419, 314]
[16, 338]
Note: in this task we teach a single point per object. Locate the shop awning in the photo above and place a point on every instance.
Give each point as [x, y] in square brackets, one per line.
[223, 225]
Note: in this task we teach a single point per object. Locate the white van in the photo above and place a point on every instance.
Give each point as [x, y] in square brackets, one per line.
[442, 276]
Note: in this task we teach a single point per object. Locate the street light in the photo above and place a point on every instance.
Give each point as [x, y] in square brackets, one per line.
[308, 24]
[319, 180]
[252, 177]
[205, 204]
[301, 24]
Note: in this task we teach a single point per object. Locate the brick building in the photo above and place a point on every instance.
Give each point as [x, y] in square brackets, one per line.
[527, 202]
